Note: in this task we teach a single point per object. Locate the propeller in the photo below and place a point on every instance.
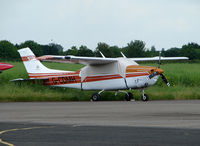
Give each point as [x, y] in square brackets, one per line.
[159, 71]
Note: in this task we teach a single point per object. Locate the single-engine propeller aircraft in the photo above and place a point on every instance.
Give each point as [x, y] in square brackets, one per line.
[5, 66]
[100, 73]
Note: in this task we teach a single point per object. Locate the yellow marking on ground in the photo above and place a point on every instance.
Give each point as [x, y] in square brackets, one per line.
[28, 128]
[6, 143]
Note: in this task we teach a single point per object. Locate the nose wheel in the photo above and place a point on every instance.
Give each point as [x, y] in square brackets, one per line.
[145, 97]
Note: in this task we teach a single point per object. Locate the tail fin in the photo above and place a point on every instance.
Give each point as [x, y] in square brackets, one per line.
[33, 65]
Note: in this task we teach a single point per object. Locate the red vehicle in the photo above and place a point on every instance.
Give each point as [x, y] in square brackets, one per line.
[5, 66]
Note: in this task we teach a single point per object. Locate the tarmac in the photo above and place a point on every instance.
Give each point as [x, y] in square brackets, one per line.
[100, 123]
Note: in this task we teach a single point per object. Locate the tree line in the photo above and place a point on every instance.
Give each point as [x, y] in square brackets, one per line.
[136, 48]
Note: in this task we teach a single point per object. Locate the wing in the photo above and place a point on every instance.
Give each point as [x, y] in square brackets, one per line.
[78, 59]
[99, 60]
[157, 58]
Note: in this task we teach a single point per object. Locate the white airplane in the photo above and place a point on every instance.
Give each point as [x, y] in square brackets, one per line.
[103, 74]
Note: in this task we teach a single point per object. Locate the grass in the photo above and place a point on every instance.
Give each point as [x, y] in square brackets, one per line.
[184, 78]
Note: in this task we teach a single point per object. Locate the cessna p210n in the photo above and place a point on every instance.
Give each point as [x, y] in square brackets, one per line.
[103, 74]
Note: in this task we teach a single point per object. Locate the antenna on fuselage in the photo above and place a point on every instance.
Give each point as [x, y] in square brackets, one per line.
[102, 54]
[123, 55]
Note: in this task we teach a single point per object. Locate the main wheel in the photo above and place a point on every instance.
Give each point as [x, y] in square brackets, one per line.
[145, 97]
[95, 97]
[129, 96]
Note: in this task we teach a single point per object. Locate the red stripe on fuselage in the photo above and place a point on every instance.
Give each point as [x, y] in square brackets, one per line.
[72, 78]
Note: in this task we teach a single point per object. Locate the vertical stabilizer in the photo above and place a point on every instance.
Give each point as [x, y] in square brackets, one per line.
[33, 65]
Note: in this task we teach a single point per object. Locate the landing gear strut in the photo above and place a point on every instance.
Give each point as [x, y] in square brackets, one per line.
[128, 95]
[145, 97]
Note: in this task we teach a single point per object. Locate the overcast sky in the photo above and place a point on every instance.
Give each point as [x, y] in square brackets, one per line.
[162, 23]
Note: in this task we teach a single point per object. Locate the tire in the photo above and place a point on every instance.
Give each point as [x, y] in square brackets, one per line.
[145, 97]
[129, 96]
[95, 97]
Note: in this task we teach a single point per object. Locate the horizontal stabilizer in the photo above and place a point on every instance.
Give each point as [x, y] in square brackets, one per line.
[20, 79]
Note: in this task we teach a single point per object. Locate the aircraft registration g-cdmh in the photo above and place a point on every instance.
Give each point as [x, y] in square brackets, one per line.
[100, 73]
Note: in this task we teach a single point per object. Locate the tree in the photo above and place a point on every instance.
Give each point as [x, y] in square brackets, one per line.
[173, 52]
[188, 51]
[8, 51]
[115, 51]
[163, 52]
[72, 51]
[49, 50]
[103, 48]
[135, 49]
[84, 51]
[58, 46]
[192, 45]
[191, 50]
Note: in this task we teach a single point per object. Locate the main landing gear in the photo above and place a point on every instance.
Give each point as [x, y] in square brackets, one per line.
[145, 97]
[97, 96]
[128, 96]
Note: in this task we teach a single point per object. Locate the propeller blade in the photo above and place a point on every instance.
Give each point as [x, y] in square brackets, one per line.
[165, 80]
[159, 61]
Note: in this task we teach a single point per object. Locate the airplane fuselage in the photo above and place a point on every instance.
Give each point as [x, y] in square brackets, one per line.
[105, 82]
[103, 77]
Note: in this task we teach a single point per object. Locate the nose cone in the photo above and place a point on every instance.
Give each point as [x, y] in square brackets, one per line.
[4, 66]
[160, 71]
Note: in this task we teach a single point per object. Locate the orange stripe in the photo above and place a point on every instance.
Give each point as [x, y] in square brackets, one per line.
[100, 78]
[138, 68]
